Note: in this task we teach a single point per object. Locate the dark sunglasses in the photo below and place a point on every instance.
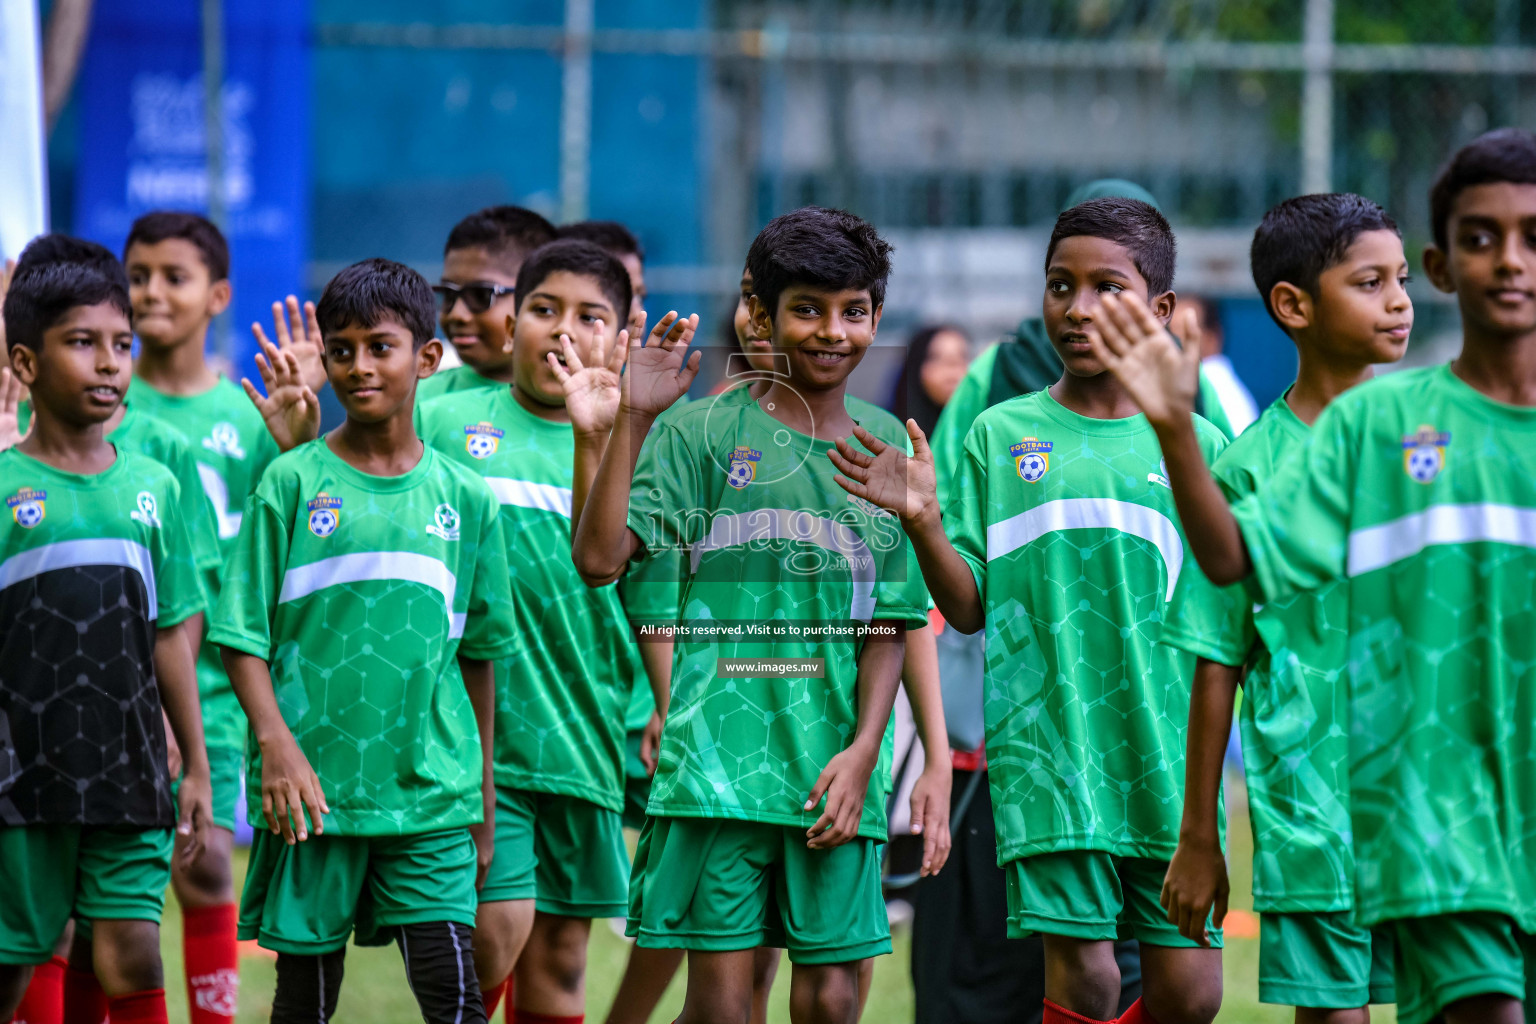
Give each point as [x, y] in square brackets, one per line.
[477, 297]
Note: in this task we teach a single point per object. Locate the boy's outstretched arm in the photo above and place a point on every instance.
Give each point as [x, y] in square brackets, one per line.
[1197, 875]
[930, 797]
[480, 682]
[289, 786]
[176, 674]
[289, 409]
[1164, 379]
[660, 372]
[907, 486]
[591, 383]
[845, 779]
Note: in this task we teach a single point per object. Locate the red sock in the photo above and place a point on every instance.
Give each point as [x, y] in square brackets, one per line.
[212, 963]
[1136, 1014]
[84, 1001]
[43, 1002]
[529, 1017]
[147, 1007]
[1061, 1015]
[492, 998]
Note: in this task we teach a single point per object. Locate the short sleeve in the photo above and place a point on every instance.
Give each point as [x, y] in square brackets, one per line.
[1215, 623]
[665, 488]
[1297, 524]
[178, 590]
[253, 578]
[965, 514]
[900, 592]
[490, 630]
[651, 590]
[955, 422]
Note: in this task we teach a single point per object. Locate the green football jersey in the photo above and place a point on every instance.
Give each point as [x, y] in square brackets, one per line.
[452, 381]
[1295, 716]
[1421, 492]
[1069, 526]
[561, 694]
[361, 592]
[232, 448]
[781, 563]
[90, 566]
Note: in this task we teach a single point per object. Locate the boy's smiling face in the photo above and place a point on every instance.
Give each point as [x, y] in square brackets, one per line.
[1362, 305]
[1083, 269]
[564, 303]
[374, 370]
[81, 372]
[480, 338]
[1491, 262]
[823, 332]
[171, 291]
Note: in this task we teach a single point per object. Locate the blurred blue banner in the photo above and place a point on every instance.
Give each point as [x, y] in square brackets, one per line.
[141, 108]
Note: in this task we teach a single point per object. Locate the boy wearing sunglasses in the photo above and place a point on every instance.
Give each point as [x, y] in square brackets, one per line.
[477, 295]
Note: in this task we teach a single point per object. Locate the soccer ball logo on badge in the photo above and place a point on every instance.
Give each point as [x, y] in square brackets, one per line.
[324, 514]
[27, 507]
[743, 468]
[148, 511]
[446, 522]
[1031, 457]
[224, 439]
[481, 439]
[1424, 453]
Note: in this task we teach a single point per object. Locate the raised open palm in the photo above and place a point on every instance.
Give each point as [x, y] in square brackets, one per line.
[289, 408]
[660, 368]
[1162, 377]
[299, 335]
[590, 382]
[12, 393]
[887, 476]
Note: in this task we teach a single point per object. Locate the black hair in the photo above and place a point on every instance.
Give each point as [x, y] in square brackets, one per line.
[1301, 237]
[509, 233]
[55, 274]
[608, 234]
[825, 248]
[160, 225]
[367, 292]
[908, 399]
[577, 257]
[1130, 223]
[1502, 155]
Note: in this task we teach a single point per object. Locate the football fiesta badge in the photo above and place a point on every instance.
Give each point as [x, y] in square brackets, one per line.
[481, 439]
[1424, 453]
[27, 507]
[1032, 457]
[743, 468]
[324, 514]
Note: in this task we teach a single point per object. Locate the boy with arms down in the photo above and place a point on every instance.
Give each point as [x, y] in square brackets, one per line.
[561, 695]
[1331, 270]
[366, 598]
[737, 822]
[96, 585]
[477, 295]
[1062, 542]
[1419, 490]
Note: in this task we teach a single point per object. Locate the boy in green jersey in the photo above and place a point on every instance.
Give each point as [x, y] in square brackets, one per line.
[561, 695]
[96, 585]
[790, 650]
[1419, 491]
[620, 243]
[1061, 541]
[477, 296]
[1331, 270]
[367, 598]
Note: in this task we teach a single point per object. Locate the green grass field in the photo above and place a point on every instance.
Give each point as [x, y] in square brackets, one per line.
[375, 988]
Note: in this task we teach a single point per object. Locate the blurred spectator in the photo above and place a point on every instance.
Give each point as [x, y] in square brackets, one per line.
[937, 358]
[1224, 400]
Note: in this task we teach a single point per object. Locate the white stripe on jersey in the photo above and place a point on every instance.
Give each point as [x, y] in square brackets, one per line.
[1376, 547]
[218, 495]
[738, 528]
[72, 554]
[1091, 514]
[527, 494]
[406, 566]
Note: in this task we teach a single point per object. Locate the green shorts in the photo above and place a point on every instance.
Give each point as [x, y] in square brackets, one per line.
[1091, 894]
[1449, 957]
[714, 884]
[225, 767]
[564, 853]
[309, 897]
[55, 872]
[1323, 960]
[637, 782]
